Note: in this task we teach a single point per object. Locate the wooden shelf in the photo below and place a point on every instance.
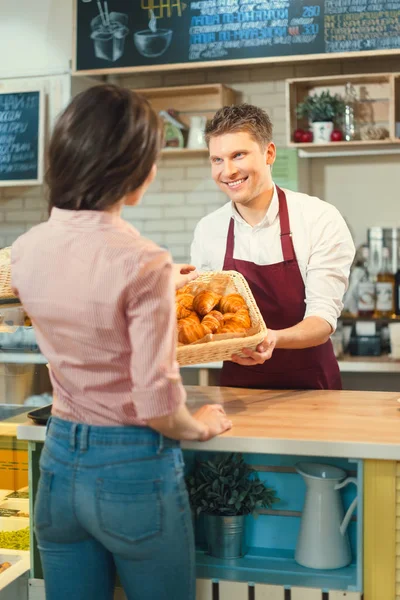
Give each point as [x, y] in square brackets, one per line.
[275, 567]
[190, 100]
[378, 105]
[174, 152]
[342, 145]
[383, 320]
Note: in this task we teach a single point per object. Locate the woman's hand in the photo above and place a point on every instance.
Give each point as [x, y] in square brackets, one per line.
[184, 274]
[262, 353]
[215, 420]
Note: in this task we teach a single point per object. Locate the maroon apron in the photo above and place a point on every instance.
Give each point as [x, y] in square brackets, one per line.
[280, 294]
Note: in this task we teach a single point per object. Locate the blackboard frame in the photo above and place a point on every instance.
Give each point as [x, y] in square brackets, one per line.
[216, 63]
[41, 133]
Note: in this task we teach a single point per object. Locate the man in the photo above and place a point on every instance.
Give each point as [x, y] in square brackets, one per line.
[294, 250]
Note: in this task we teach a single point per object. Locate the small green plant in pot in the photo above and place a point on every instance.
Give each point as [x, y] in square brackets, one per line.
[322, 110]
[226, 489]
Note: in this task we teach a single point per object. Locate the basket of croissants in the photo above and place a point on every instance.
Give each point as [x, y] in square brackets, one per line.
[217, 316]
[5, 274]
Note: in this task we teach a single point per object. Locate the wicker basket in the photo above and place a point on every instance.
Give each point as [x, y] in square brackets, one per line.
[6, 292]
[222, 349]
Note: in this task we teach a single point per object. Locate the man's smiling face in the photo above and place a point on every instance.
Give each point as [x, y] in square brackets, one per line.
[240, 167]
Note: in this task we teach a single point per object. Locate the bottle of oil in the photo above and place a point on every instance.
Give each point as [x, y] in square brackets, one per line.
[397, 289]
[385, 288]
[350, 103]
[366, 289]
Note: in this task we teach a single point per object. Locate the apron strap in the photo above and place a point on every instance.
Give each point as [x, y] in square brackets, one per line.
[286, 234]
[230, 242]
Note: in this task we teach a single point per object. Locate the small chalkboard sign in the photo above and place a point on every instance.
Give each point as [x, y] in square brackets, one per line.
[21, 138]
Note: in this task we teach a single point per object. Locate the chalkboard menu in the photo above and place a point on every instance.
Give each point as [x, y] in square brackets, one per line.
[21, 133]
[117, 34]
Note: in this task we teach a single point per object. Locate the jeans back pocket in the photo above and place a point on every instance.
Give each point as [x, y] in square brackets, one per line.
[129, 510]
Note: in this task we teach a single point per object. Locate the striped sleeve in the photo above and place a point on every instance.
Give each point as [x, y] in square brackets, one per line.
[156, 382]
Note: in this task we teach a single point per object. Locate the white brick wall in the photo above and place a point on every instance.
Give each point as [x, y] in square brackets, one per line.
[183, 191]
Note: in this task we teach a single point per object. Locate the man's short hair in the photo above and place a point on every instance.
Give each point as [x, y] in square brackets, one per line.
[241, 117]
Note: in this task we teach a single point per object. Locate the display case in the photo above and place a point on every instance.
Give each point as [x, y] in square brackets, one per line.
[24, 383]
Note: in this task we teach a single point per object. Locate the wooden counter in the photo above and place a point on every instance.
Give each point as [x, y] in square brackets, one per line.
[311, 423]
[341, 425]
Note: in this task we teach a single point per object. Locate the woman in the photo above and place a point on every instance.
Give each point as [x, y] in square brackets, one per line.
[111, 496]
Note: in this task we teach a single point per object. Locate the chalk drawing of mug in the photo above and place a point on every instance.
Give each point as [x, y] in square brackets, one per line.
[109, 35]
[152, 42]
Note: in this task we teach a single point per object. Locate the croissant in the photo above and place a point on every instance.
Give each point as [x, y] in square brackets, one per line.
[231, 303]
[228, 316]
[231, 326]
[242, 317]
[185, 300]
[205, 301]
[183, 290]
[182, 311]
[212, 321]
[194, 317]
[189, 331]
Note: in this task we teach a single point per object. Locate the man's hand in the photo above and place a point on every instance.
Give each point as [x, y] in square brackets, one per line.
[184, 274]
[262, 353]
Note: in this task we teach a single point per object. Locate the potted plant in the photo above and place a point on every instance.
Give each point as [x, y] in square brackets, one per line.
[322, 110]
[226, 489]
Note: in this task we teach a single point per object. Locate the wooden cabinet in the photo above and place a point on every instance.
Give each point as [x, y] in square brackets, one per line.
[188, 101]
[377, 106]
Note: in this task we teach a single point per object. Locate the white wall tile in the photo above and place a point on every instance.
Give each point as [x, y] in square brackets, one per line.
[142, 212]
[156, 237]
[198, 172]
[9, 203]
[164, 225]
[184, 185]
[32, 202]
[175, 173]
[179, 238]
[184, 211]
[14, 216]
[206, 198]
[163, 199]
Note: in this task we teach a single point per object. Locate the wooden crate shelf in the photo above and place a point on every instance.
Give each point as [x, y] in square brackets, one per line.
[188, 101]
[378, 105]
[174, 152]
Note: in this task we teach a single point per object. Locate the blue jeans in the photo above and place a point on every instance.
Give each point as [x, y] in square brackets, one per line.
[113, 500]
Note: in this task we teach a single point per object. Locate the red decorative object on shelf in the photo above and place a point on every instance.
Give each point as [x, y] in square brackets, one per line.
[336, 135]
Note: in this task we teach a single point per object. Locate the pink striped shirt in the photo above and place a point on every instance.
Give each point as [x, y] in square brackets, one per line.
[101, 299]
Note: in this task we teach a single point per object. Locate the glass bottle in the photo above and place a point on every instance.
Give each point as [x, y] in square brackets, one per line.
[366, 289]
[385, 288]
[397, 289]
[349, 119]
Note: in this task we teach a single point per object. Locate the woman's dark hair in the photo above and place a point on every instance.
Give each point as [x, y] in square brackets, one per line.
[103, 146]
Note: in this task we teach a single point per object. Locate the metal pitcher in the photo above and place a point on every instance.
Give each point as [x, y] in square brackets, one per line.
[323, 541]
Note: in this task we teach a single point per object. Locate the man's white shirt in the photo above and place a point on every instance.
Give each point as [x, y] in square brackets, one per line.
[322, 242]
